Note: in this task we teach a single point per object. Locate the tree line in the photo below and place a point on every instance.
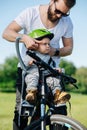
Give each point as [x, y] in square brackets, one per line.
[8, 75]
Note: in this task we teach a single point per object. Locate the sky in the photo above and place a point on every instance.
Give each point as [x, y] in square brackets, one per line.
[9, 9]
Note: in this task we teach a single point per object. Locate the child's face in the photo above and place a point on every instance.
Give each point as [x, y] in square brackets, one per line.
[44, 46]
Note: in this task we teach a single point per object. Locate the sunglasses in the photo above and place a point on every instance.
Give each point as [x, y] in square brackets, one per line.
[59, 12]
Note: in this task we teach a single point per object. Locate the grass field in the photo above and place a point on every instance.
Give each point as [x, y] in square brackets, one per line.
[7, 103]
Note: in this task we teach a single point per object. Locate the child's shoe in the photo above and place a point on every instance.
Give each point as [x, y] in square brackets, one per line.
[61, 97]
[31, 95]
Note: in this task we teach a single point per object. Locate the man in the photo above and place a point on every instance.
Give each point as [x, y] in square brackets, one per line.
[54, 17]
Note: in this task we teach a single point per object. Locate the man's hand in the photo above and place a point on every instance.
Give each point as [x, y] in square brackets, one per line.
[29, 42]
[52, 51]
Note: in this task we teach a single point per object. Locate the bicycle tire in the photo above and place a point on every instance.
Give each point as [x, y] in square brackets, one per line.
[65, 121]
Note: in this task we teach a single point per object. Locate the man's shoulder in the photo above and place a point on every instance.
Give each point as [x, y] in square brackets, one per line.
[66, 19]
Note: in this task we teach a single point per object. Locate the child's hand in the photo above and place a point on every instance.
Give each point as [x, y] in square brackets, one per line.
[31, 62]
[60, 70]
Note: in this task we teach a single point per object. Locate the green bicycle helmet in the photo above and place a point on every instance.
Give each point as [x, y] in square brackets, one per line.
[39, 34]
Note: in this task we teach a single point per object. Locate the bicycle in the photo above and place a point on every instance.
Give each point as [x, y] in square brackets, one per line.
[46, 119]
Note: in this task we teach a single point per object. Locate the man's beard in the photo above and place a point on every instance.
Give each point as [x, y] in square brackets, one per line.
[52, 17]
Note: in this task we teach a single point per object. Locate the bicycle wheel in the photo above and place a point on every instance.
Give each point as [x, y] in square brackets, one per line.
[61, 122]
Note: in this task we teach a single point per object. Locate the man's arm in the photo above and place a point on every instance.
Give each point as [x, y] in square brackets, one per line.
[67, 47]
[65, 50]
[12, 32]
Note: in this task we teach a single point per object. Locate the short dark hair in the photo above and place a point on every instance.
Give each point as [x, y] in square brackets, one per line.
[70, 3]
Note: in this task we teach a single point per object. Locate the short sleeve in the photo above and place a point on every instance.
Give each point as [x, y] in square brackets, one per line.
[24, 19]
[68, 28]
